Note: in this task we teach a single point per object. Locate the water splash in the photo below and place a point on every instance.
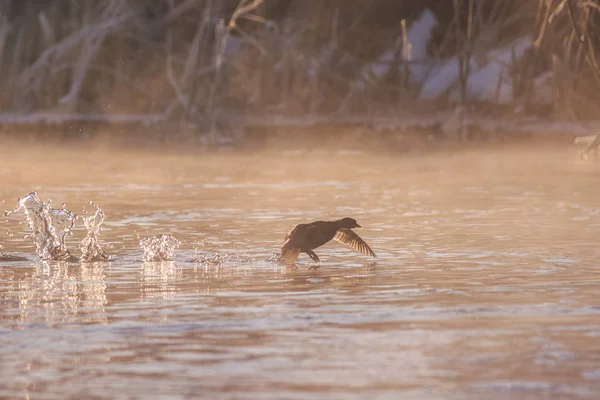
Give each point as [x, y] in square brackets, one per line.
[90, 246]
[159, 248]
[49, 227]
[275, 258]
[210, 259]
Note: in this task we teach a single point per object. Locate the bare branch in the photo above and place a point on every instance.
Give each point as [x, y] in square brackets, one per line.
[542, 32]
[181, 8]
[252, 40]
[245, 7]
[256, 18]
[557, 11]
[89, 51]
[573, 22]
[5, 29]
[171, 75]
[69, 43]
[222, 34]
[46, 28]
[192, 59]
[590, 4]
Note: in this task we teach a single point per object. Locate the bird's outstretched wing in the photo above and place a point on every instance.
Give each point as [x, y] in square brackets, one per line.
[351, 239]
[289, 253]
[290, 249]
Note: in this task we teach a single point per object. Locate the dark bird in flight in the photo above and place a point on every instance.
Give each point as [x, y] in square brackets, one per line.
[306, 237]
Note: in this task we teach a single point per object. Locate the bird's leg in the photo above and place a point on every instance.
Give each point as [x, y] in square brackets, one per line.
[313, 255]
[315, 258]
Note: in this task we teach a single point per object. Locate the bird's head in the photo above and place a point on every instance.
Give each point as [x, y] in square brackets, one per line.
[348, 223]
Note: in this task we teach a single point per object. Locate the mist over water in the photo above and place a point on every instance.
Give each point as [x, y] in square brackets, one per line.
[485, 285]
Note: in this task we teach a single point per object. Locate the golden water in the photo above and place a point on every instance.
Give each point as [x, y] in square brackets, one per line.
[486, 283]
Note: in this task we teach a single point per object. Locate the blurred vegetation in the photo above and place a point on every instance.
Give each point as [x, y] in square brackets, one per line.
[199, 60]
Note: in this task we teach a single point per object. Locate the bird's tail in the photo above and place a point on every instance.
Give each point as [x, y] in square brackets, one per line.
[289, 253]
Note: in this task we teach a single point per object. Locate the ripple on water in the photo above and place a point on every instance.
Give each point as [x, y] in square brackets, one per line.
[483, 288]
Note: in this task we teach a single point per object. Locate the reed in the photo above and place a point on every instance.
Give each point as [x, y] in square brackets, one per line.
[568, 33]
[199, 61]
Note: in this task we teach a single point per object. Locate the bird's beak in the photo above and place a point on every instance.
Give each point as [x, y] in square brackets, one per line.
[358, 226]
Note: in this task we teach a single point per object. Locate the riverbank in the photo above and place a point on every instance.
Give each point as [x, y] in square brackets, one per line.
[443, 130]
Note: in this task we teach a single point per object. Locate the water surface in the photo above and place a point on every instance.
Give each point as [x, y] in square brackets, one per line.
[485, 286]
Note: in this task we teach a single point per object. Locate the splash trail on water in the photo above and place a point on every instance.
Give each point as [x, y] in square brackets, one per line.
[49, 227]
[215, 258]
[159, 248]
[91, 248]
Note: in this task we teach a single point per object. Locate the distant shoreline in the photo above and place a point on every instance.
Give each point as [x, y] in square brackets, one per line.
[402, 132]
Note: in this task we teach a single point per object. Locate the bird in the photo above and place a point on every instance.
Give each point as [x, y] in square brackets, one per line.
[304, 238]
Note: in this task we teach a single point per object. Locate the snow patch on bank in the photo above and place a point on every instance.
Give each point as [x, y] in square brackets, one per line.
[489, 80]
